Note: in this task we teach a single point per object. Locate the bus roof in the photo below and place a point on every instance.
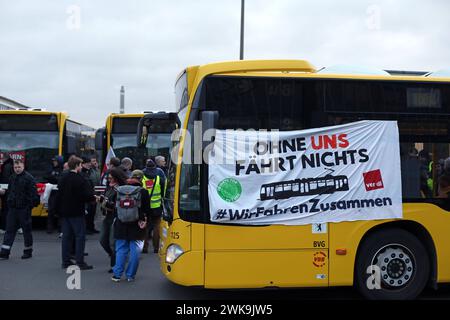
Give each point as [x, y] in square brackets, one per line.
[298, 69]
[62, 116]
[31, 112]
[125, 115]
[134, 115]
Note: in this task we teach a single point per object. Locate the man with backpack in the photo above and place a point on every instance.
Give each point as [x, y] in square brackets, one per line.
[132, 211]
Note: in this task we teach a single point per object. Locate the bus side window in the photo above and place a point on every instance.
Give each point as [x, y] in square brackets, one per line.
[422, 167]
[410, 177]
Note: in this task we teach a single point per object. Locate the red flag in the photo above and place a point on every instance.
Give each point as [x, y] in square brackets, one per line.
[40, 188]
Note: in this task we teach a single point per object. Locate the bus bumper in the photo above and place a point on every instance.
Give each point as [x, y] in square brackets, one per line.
[187, 270]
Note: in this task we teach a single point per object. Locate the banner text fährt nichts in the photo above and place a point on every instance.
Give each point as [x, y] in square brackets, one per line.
[312, 160]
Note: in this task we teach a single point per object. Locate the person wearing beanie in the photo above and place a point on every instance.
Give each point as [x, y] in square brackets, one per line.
[137, 174]
[151, 168]
[53, 178]
[154, 181]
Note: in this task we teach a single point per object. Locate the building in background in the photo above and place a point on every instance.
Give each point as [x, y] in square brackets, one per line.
[8, 104]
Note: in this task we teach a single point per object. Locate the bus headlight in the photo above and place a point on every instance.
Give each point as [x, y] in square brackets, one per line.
[173, 252]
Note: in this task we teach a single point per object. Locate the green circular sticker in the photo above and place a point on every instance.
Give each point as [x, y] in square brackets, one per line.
[229, 189]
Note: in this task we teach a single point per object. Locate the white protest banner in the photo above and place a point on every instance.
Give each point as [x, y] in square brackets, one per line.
[342, 173]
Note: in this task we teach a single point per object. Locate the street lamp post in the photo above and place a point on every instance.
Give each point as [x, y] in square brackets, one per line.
[241, 55]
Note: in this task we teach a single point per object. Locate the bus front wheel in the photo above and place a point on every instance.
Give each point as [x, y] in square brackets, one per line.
[392, 264]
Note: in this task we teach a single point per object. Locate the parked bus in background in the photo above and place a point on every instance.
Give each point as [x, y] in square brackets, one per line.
[120, 134]
[291, 95]
[152, 132]
[38, 136]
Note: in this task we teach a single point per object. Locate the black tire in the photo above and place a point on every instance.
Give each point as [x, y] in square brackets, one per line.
[392, 239]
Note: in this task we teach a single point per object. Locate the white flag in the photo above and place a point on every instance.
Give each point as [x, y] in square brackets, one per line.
[110, 155]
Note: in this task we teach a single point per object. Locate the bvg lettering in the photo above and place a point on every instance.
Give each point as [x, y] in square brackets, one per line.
[319, 244]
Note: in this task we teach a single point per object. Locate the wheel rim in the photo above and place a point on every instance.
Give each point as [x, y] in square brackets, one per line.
[397, 265]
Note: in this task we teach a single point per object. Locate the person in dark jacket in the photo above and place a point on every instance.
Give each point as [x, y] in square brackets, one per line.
[90, 207]
[55, 170]
[160, 162]
[53, 177]
[114, 162]
[425, 174]
[126, 165]
[6, 169]
[73, 194]
[5, 173]
[151, 171]
[22, 197]
[94, 173]
[116, 177]
[129, 237]
[444, 181]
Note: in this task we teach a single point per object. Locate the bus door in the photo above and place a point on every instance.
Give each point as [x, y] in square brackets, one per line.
[262, 256]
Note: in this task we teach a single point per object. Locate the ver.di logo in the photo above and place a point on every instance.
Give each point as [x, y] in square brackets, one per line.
[229, 189]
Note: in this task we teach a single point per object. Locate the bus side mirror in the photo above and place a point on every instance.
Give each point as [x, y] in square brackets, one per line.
[167, 214]
[210, 120]
[100, 136]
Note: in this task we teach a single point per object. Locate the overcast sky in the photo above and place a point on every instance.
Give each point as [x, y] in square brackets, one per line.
[74, 55]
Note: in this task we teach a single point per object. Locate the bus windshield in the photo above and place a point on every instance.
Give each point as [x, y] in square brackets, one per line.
[159, 144]
[36, 147]
[124, 145]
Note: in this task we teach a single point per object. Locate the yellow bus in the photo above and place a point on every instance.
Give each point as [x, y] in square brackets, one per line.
[38, 136]
[412, 252]
[120, 133]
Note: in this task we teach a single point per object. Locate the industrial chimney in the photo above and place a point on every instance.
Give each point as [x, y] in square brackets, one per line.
[122, 99]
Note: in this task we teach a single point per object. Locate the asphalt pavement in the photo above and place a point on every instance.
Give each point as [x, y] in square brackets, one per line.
[42, 277]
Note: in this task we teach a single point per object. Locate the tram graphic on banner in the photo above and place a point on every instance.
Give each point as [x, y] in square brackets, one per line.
[304, 187]
[342, 173]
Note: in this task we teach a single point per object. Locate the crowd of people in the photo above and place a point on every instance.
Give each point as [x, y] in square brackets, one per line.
[425, 174]
[131, 207]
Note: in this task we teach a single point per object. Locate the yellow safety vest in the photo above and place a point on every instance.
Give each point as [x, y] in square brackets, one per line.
[430, 181]
[149, 184]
